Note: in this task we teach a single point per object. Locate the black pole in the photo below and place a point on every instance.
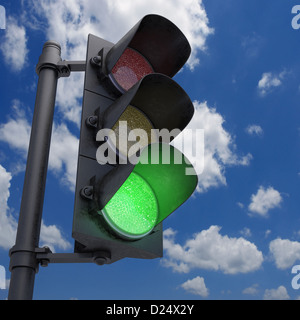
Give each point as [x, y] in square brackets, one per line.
[23, 261]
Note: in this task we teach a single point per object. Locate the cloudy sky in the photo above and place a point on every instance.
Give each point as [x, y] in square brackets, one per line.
[238, 236]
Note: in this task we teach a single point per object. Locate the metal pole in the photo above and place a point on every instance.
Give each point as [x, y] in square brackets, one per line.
[23, 261]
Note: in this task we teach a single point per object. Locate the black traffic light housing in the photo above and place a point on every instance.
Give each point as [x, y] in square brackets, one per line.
[157, 96]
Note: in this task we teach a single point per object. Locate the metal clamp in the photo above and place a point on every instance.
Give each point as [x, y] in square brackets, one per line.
[22, 258]
[52, 59]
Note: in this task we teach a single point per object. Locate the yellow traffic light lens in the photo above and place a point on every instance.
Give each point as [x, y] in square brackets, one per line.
[130, 68]
[133, 211]
[127, 132]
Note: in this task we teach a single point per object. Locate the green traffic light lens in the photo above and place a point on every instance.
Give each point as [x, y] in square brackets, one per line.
[132, 213]
[161, 182]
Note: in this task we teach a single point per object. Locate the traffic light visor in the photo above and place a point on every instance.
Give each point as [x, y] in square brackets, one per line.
[155, 188]
[154, 104]
[153, 45]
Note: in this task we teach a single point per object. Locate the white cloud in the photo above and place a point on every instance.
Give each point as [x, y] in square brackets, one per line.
[253, 290]
[267, 233]
[14, 46]
[276, 294]
[285, 252]
[68, 97]
[2, 17]
[241, 205]
[252, 45]
[264, 200]
[63, 151]
[70, 22]
[210, 250]
[50, 235]
[64, 154]
[196, 286]
[254, 130]
[8, 224]
[219, 148]
[246, 232]
[16, 132]
[269, 81]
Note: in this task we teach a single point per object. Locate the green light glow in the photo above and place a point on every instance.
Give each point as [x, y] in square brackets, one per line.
[133, 210]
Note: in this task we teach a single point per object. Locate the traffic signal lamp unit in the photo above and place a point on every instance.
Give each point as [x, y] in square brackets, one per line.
[129, 177]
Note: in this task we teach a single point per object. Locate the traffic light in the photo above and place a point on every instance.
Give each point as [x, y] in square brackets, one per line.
[129, 177]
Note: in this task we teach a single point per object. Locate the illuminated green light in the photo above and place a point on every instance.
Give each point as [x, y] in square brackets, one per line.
[156, 187]
[133, 211]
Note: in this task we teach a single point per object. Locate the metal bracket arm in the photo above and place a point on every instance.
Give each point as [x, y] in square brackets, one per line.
[45, 256]
[66, 67]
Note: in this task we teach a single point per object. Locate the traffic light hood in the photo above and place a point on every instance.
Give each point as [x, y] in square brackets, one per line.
[160, 98]
[132, 80]
[156, 39]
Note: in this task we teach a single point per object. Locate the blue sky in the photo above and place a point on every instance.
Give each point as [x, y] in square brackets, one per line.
[238, 237]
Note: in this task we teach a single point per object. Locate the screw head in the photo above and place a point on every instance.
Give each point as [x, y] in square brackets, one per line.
[44, 263]
[100, 261]
[87, 192]
[102, 258]
[92, 121]
[96, 61]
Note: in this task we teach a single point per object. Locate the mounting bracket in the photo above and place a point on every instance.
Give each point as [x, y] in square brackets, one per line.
[66, 67]
[44, 256]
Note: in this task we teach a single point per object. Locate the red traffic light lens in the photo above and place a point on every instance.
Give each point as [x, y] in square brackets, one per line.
[130, 68]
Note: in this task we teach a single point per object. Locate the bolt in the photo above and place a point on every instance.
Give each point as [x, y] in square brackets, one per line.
[92, 121]
[64, 70]
[44, 263]
[87, 192]
[102, 258]
[96, 61]
[100, 261]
